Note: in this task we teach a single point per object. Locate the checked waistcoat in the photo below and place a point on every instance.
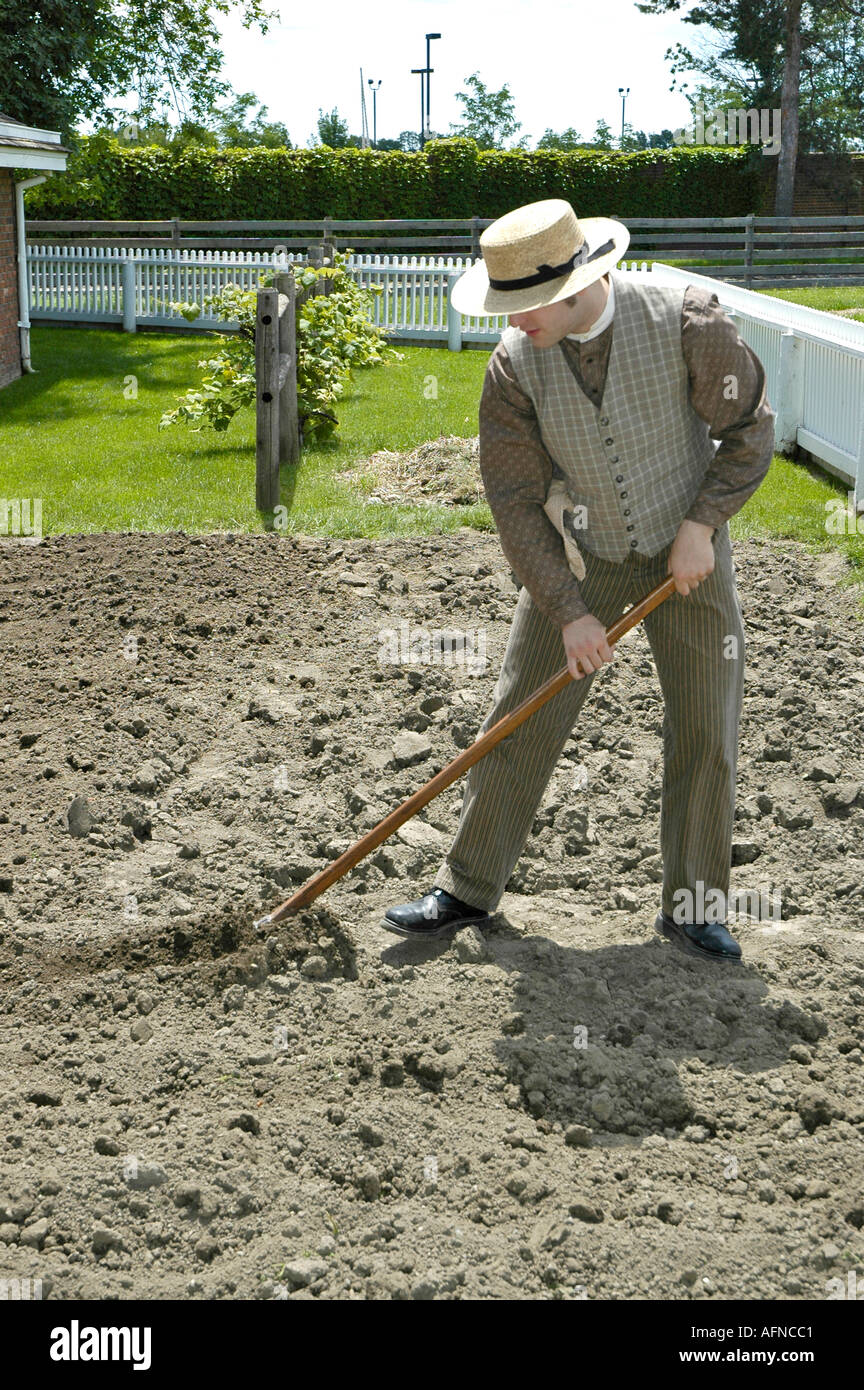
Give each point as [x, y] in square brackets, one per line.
[636, 462]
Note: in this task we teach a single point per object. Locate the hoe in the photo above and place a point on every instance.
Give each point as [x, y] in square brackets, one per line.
[449, 774]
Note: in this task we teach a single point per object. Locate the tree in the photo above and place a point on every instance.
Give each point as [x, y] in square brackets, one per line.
[133, 132]
[603, 137]
[488, 117]
[332, 130]
[661, 139]
[784, 195]
[639, 140]
[572, 140]
[569, 139]
[234, 127]
[62, 61]
[409, 140]
[805, 59]
[227, 128]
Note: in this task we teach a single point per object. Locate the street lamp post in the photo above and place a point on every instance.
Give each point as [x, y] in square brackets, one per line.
[623, 93]
[374, 112]
[423, 76]
[429, 38]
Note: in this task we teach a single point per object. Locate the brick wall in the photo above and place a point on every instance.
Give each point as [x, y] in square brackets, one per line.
[825, 185]
[10, 344]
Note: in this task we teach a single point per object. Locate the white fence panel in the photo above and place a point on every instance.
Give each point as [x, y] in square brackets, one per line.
[829, 406]
[814, 362]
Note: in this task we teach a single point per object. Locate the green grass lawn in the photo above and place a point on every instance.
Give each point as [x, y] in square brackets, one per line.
[82, 433]
[792, 503]
[830, 298]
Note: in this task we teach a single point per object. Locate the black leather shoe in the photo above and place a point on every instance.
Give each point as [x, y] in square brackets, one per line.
[711, 941]
[432, 915]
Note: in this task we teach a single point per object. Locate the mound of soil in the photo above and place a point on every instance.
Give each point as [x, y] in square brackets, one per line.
[561, 1105]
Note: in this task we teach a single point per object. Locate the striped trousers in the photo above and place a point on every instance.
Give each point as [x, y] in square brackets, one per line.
[698, 648]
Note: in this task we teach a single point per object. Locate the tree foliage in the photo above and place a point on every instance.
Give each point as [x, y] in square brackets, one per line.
[236, 128]
[569, 139]
[63, 61]
[740, 59]
[332, 129]
[641, 140]
[487, 117]
[229, 127]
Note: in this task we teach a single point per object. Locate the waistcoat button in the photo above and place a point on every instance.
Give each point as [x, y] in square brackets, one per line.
[633, 545]
[608, 441]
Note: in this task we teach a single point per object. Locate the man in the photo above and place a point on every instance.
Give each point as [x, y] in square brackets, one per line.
[597, 419]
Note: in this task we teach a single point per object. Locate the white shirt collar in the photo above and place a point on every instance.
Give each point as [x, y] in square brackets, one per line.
[602, 323]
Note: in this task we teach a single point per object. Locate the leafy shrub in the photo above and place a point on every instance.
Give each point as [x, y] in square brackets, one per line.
[335, 333]
[449, 178]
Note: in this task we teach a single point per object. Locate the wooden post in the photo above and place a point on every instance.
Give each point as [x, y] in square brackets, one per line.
[748, 250]
[317, 254]
[267, 400]
[289, 428]
[475, 238]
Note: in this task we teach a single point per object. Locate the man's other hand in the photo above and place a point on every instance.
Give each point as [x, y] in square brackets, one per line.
[691, 558]
[586, 646]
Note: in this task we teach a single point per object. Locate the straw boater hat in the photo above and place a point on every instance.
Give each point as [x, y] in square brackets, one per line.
[536, 255]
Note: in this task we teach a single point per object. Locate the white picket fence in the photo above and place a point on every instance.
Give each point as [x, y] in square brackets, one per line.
[814, 362]
[137, 287]
[132, 286]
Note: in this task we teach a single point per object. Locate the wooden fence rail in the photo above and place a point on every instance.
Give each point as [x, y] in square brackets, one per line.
[755, 251]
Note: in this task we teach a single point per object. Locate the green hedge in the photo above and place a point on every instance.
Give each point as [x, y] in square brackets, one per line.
[450, 178]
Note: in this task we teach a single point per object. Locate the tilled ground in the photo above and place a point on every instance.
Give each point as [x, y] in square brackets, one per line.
[560, 1106]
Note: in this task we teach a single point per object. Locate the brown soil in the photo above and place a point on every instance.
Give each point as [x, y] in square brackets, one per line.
[559, 1106]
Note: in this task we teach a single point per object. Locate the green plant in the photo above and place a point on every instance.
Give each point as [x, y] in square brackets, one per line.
[448, 178]
[335, 333]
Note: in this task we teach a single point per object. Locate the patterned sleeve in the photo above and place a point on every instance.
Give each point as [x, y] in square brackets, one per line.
[516, 470]
[727, 390]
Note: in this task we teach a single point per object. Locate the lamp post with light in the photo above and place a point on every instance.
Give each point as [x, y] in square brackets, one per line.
[374, 112]
[428, 128]
[623, 93]
[422, 72]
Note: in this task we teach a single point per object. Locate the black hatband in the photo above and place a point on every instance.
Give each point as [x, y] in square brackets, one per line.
[553, 272]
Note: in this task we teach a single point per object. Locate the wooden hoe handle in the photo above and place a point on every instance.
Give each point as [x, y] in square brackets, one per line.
[449, 774]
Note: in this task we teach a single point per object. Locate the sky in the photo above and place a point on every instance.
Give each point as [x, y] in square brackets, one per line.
[563, 62]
